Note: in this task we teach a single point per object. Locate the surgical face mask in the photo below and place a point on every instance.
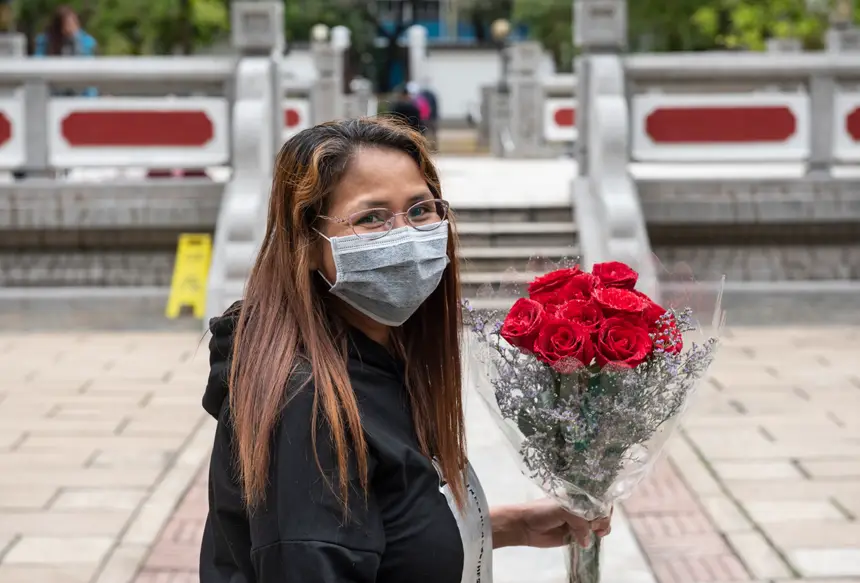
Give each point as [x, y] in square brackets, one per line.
[389, 278]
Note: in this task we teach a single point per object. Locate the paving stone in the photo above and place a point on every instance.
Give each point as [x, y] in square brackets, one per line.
[758, 556]
[99, 498]
[31, 497]
[84, 523]
[82, 478]
[724, 514]
[34, 550]
[54, 573]
[819, 534]
[789, 511]
[827, 562]
[756, 470]
[114, 444]
[788, 490]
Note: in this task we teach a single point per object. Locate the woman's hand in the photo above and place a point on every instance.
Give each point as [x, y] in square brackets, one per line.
[543, 524]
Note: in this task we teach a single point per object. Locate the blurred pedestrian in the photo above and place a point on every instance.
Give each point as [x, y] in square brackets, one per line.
[64, 37]
[432, 121]
[407, 110]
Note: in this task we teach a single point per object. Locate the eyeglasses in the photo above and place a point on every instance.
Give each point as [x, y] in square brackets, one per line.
[426, 215]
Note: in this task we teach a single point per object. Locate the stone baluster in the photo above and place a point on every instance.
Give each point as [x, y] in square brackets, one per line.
[608, 211]
[527, 96]
[258, 34]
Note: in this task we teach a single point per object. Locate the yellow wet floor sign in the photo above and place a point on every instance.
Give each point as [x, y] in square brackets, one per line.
[190, 275]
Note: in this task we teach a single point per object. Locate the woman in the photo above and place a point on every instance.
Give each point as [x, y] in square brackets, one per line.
[64, 37]
[340, 453]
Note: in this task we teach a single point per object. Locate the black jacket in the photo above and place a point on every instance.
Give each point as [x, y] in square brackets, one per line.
[405, 532]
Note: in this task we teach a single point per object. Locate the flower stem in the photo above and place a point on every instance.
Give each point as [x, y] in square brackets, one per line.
[584, 564]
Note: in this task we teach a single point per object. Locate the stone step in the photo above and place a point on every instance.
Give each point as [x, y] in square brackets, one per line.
[516, 234]
[525, 258]
[516, 214]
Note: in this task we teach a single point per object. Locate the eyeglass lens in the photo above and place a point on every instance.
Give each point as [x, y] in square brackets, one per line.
[424, 216]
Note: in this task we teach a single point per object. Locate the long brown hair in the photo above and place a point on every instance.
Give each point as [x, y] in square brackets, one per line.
[285, 318]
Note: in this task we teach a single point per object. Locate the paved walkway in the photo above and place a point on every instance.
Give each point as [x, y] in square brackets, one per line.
[103, 445]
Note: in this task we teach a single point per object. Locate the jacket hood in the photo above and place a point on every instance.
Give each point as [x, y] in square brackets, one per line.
[220, 349]
[359, 347]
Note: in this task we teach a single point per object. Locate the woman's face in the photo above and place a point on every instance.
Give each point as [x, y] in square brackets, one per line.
[377, 179]
[71, 24]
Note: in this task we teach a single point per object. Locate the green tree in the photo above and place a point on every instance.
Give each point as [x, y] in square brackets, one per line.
[747, 24]
[135, 27]
[550, 23]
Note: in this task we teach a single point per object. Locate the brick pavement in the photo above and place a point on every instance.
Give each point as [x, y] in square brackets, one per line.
[100, 434]
[764, 482]
[104, 437]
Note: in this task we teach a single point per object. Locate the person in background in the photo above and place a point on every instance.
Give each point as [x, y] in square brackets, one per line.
[432, 121]
[406, 109]
[64, 37]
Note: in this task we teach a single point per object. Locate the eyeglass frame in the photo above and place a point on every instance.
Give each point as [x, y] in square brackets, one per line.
[391, 221]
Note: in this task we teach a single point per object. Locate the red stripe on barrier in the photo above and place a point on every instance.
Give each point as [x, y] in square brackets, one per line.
[703, 125]
[137, 128]
[5, 129]
[292, 118]
[565, 117]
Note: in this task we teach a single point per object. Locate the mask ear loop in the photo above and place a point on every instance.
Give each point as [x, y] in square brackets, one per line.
[319, 272]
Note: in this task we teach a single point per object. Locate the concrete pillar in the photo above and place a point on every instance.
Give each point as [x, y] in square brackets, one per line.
[362, 91]
[257, 124]
[527, 95]
[501, 136]
[416, 38]
[326, 98]
[600, 27]
[13, 44]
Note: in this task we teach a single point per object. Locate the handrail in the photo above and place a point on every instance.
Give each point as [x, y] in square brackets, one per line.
[738, 65]
[123, 69]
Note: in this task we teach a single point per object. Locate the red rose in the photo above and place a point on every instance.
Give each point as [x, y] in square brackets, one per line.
[619, 301]
[620, 341]
[665, 329]
[523, 323]
[579, 287]
[615, 274]
[586, 314]
[564, 345]
[545, 288]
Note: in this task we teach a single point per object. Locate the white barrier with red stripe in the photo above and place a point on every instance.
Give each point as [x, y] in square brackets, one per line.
[136, 131]
[730, 127]
[12, 134]
[559, 120]
[846, 127]
[297, 116]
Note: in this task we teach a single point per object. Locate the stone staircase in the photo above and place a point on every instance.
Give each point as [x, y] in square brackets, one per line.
[512, 216]
[506, 247]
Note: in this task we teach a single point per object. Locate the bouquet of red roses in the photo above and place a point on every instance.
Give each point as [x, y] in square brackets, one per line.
[587, 377]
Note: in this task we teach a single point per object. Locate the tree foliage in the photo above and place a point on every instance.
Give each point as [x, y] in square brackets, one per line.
[134, 27]
[170, 26]
[688, 25]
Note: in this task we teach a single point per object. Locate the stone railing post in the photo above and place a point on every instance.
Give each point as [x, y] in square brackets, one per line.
[416, 38]
[258, 34]
[362, 91]
[608, 212]
[527, 95]
[326, 98]
[499, 123]
[13, 44]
